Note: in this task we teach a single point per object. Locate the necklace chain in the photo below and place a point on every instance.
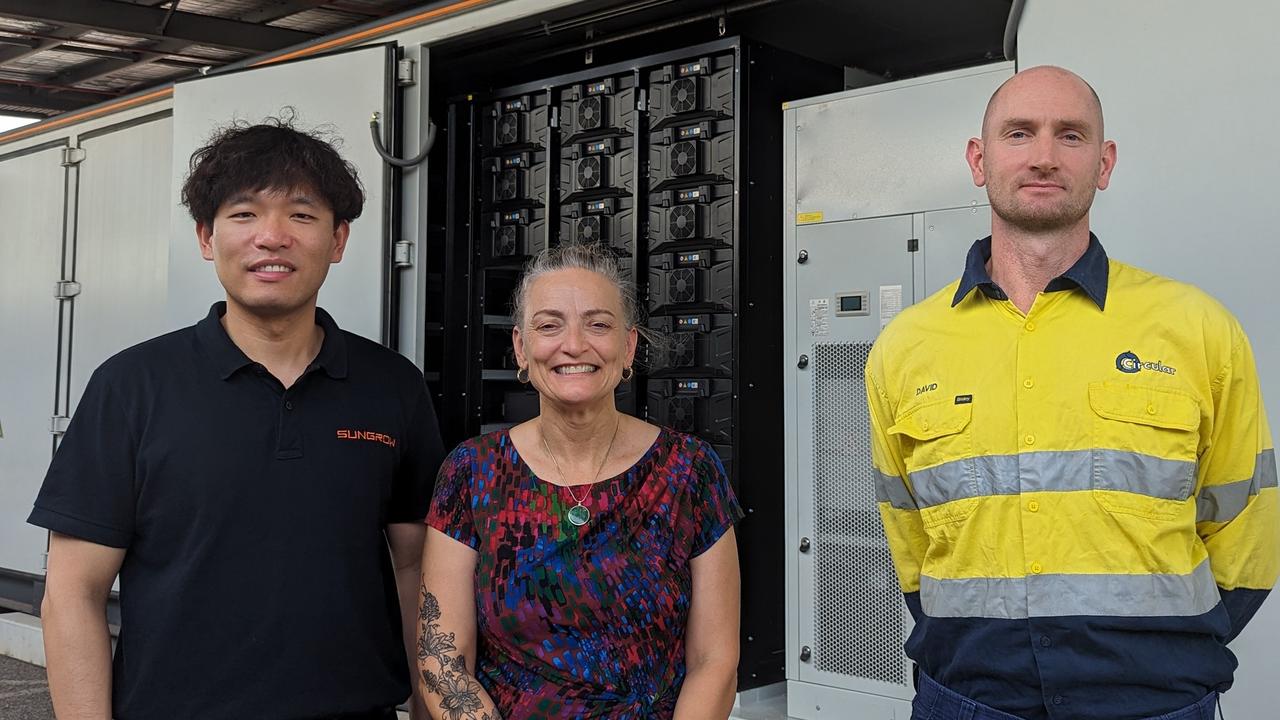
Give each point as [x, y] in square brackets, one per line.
[564, 483]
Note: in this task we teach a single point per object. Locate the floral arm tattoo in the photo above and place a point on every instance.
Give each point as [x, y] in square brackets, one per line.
[444, 669]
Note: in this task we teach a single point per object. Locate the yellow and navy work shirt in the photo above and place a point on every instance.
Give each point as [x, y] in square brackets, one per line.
[1080, 501]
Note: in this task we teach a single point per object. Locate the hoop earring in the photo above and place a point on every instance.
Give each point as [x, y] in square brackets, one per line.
[627, 374]
[523, 375]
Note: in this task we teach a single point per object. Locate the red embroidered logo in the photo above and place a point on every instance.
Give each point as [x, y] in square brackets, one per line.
[367, 435]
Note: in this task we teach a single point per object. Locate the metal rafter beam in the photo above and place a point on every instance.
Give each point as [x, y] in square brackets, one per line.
[92, 70]
[277, 10]
[11, 53]
[149, 22]
[53, 101]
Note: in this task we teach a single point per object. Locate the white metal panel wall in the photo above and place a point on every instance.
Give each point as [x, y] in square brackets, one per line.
[891, 149]
[122, 244]
[337, 93]
[32, 188]
[1189, 94]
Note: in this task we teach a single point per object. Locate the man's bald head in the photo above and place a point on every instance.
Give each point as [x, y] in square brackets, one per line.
[1039, 74]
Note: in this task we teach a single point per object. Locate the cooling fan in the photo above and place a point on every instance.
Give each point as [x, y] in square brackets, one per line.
[507, 130]
[681, 413]
[682, 286]
[683, 351]
[589, 229]
[684, 95]
[504, 241]
[682, 222]
[588, 173]
[507, 185]
[684, 158]
[591, 113]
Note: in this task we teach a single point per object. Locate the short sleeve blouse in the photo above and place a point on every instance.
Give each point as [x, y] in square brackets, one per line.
[583, 622]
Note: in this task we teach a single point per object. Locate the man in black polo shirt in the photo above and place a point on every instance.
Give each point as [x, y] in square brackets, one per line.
[245, 477]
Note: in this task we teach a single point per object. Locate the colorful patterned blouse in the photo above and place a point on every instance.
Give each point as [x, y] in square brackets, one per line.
[583, 622]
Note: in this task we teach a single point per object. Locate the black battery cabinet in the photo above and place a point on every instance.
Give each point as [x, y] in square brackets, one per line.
[674, 163]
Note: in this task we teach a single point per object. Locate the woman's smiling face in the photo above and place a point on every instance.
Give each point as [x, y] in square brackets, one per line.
[575, 340]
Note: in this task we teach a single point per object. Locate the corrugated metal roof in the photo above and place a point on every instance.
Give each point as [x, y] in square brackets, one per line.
[319, 21]
[39, 65]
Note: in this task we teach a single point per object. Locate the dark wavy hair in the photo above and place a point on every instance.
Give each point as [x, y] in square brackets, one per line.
[272, 155]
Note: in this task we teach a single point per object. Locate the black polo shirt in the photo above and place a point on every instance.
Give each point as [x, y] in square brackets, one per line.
[257, 582]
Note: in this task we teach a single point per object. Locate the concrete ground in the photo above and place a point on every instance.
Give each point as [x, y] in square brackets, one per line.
[24, 691]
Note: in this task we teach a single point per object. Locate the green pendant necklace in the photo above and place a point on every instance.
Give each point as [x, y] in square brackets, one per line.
[579, 515]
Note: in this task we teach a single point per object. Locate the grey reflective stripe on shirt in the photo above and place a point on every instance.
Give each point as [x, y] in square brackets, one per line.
[1223, 503]
[1058, 595]
[891, 489]
[1054, 471]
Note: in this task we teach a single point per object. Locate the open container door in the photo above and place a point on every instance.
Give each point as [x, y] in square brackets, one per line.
[336, 93]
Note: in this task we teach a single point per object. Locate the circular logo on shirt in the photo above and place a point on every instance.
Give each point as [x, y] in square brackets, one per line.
[1127, 362]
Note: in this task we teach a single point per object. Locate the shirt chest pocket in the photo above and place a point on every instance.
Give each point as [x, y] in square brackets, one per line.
[1146, 443]
[937, 448]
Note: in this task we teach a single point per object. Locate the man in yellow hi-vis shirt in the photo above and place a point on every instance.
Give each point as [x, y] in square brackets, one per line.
[1076, 476]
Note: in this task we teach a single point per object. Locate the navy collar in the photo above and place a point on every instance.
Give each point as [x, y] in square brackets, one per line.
[1089, 273]
[227, 358]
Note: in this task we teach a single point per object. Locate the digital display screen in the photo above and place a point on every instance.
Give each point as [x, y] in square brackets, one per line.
[687, 195]
[511, 105]
[599, 87]
[513, 161]
[511, 217]
[690, 68]
[598, 147]
[851, 303]
[688, 384]
[688, 132]
[597, 206]
[687, 322]
[688, 258]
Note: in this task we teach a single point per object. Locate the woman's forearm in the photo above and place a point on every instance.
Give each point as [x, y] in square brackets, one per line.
[708, 691]
[449, 685]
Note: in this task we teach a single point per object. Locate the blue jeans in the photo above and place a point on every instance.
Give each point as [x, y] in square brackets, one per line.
[935, 702]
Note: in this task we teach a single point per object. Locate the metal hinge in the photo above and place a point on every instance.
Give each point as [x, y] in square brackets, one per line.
[66, 289]
[72, 156]
[402, 254]
[58, 424]
[406, 72]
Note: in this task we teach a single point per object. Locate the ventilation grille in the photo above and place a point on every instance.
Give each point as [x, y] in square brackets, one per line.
[507, 186]
[504, 241]
[851, 563]
[591, 113]
[588, 173]
[684, 158]
[589, 230]
[684, 95]
[682, 222]
[683, 350]
[507, 129]
[682, 286]
[681, 413]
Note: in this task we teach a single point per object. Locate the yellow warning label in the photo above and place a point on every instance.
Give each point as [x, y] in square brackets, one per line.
[809, 217]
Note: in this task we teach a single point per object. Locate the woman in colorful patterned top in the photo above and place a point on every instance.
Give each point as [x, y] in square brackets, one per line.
[581, 564]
